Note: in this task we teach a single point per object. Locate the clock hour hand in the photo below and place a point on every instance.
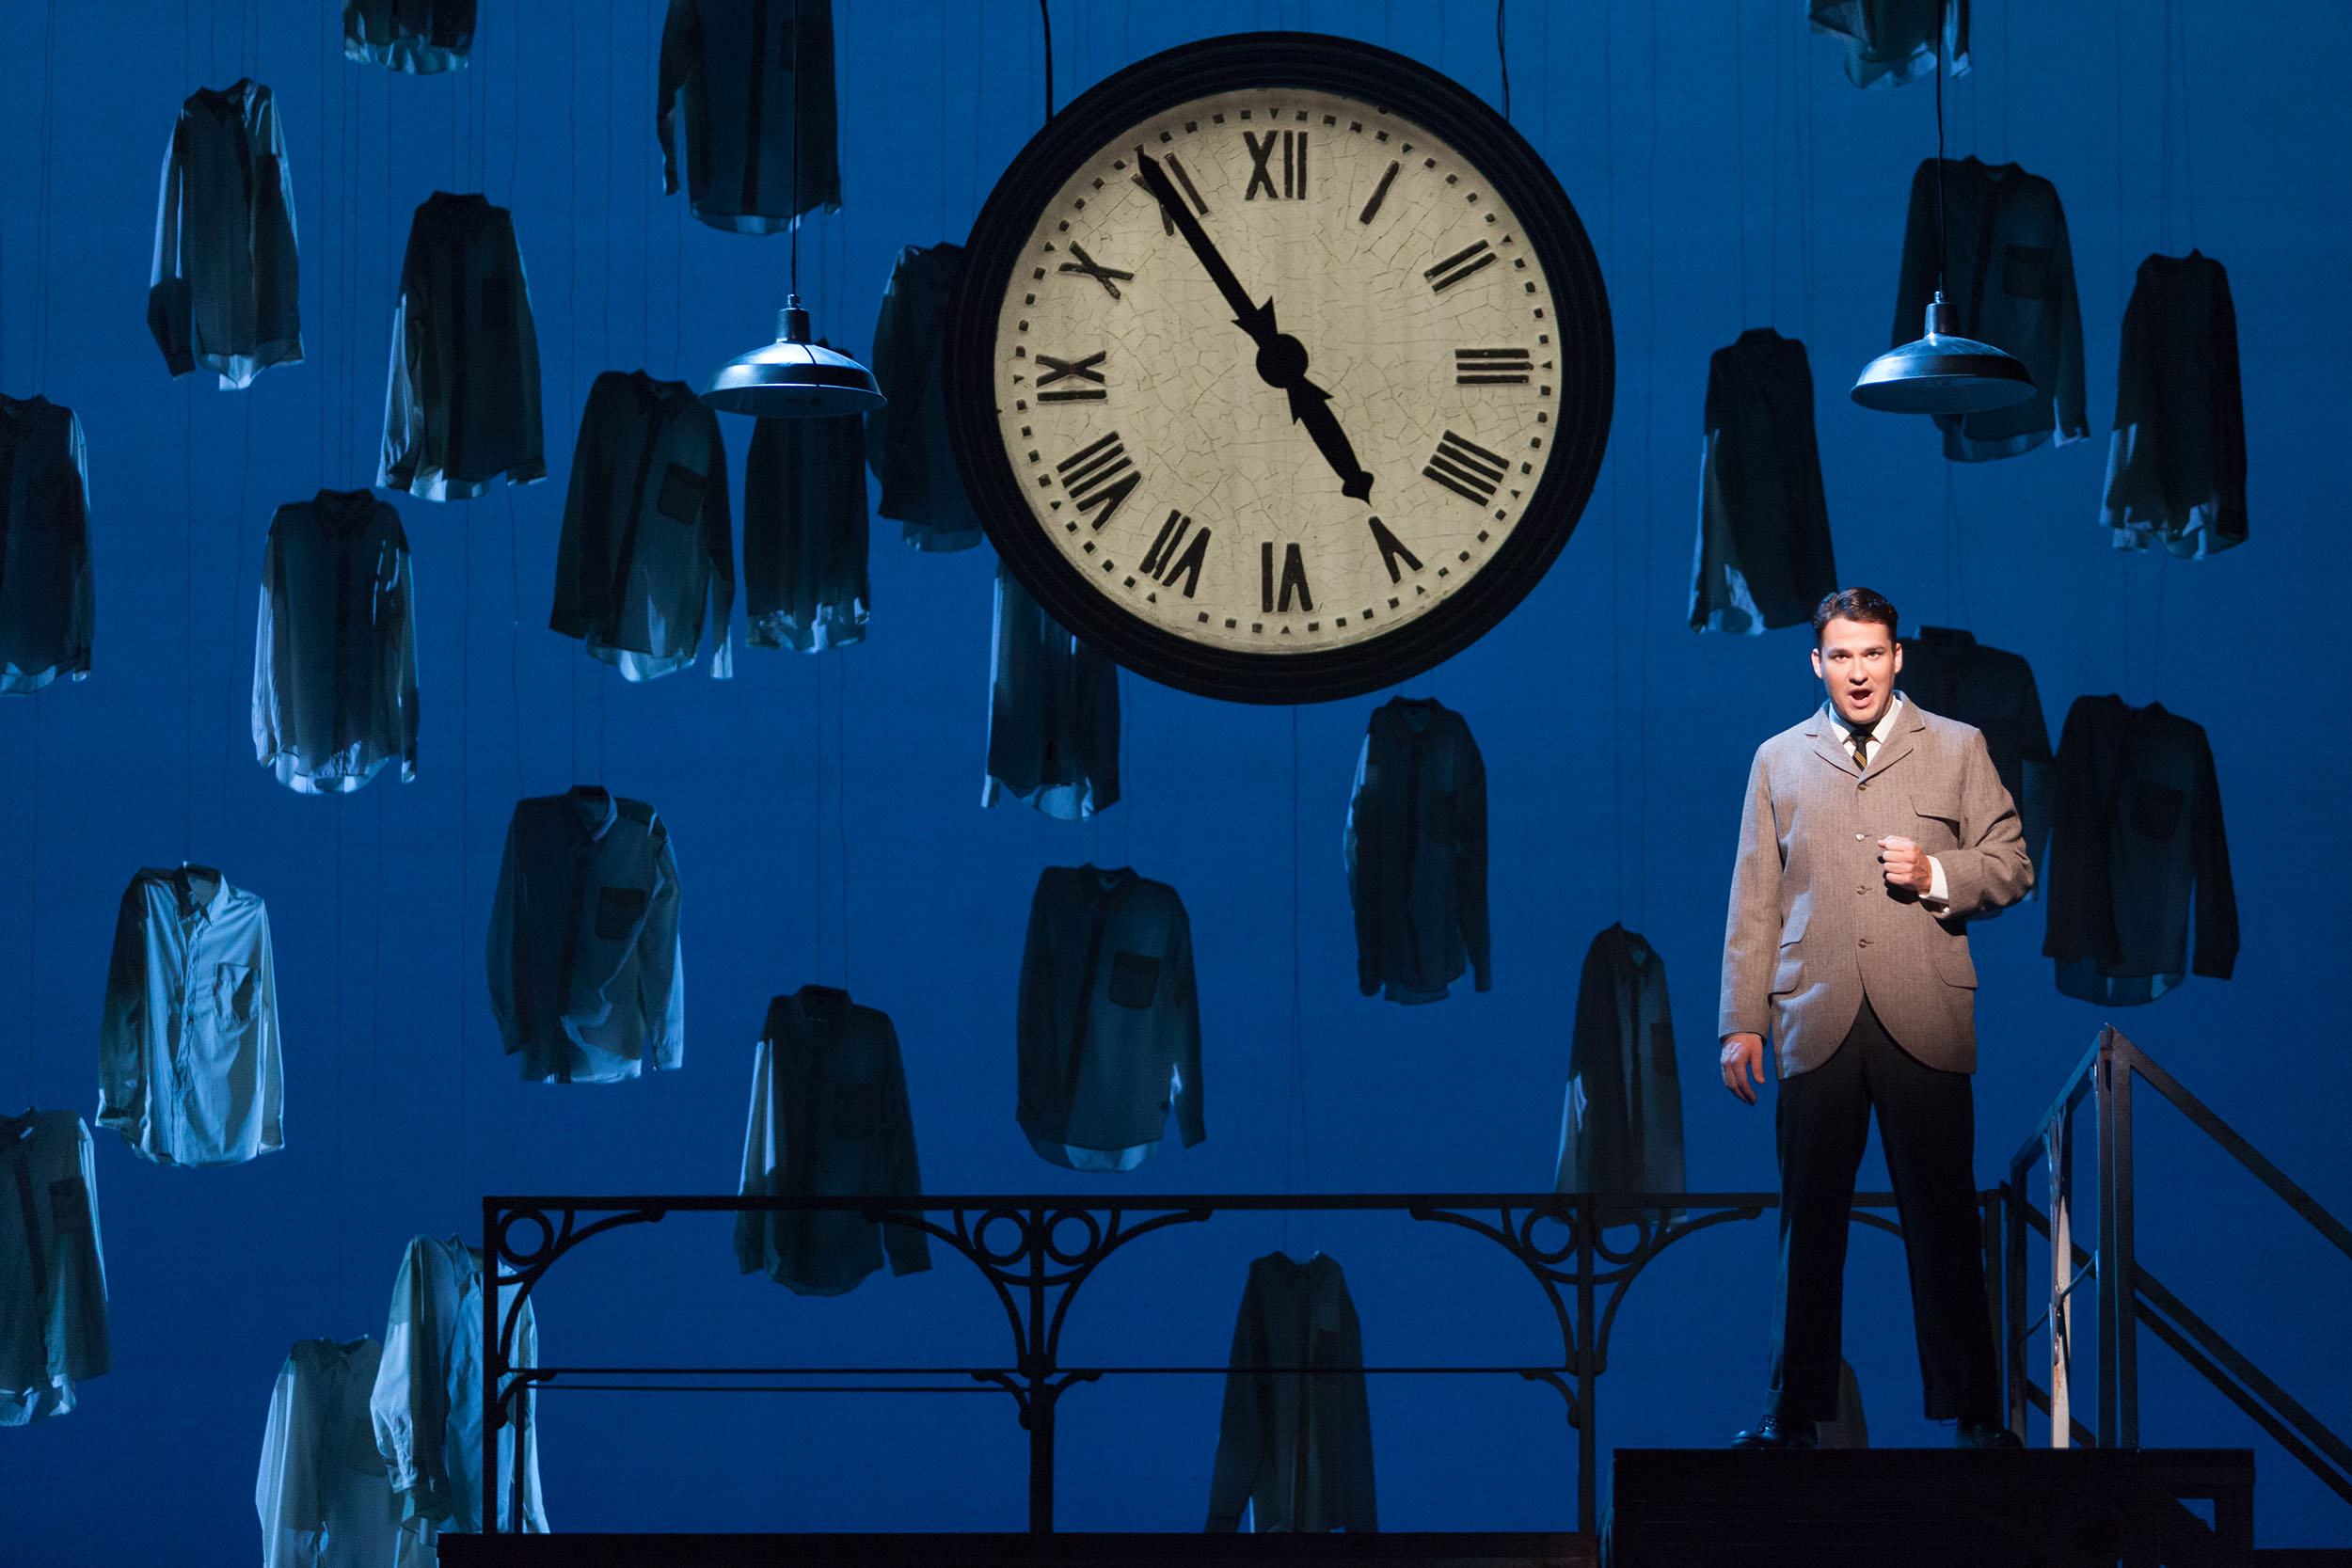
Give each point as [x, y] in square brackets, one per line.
[1281, 358]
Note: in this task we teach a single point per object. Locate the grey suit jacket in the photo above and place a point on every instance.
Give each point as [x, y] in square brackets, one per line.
[1813, 922]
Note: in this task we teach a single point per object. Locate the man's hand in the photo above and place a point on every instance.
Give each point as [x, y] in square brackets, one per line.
[1743, 1065]
[1906, 865]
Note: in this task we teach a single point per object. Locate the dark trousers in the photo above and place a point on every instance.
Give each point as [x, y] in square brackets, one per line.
[1927, 1125]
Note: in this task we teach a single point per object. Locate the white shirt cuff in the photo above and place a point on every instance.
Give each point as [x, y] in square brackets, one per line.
[1939, 892]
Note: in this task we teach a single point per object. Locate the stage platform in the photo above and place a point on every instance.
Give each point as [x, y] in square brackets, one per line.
[1400, 1549]
[1933, 1508]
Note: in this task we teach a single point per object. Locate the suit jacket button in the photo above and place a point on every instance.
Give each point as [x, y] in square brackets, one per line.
[1861, 889]
[1865, 941]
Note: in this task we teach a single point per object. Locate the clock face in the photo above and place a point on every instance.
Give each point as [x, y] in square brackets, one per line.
[1281, 366]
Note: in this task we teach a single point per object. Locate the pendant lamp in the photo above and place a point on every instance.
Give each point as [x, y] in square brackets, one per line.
[1942, 373]
[793, 378]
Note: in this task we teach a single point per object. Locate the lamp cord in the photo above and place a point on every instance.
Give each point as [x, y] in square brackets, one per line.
[1943, 231]
[796, 151]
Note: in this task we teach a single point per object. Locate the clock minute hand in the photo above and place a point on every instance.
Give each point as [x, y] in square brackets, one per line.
[1281, 358]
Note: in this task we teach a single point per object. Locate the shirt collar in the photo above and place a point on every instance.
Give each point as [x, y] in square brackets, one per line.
[184, 881]
[1878, 732]
[596, 809]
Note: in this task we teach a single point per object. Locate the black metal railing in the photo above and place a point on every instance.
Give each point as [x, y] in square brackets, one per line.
[1582, 1251]
[2128, 1296]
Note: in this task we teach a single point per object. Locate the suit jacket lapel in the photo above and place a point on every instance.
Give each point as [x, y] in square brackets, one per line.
[1824, 736]
[1898, 746]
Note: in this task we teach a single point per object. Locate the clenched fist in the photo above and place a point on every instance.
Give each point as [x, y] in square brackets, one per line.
[1906, 865]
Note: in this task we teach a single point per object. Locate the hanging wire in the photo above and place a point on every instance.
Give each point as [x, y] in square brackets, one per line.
[1045, 17]
[841, 801]
[1502, 59]
[1740, 141]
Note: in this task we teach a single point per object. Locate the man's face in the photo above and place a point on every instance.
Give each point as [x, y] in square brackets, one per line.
[1858, 661]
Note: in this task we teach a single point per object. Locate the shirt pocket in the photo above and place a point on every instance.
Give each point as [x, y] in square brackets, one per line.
[235, 994]
[619, 911]
[681, 499]
[69, 1207]
[2025, 271]
[1134, 976]
[2156, 811]
[856, 1109]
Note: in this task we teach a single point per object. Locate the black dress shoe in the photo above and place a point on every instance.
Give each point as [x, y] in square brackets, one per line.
[1776, 1432]
[1984, 1434]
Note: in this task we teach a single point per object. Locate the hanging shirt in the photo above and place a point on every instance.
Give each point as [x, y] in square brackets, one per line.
[1763, 556]
[426, 1404]
[1109, 1024]
[1892, 43]
[804, 534]
[1053, 713]
[2136, 845]
[587, 976]
[417, 35]
[324, 1495]
[335, 645]
[756, 80]
[188, 1058]
[1293, 1444]
[1416, 850]
[463, 402]
[222, 292]
[47, 603]
[2176, 464]
[906, 438]
[2009, 275]
[53, 1266]
[1621, 1125]
[1952, 673]
[646, 540]
[829, 1118]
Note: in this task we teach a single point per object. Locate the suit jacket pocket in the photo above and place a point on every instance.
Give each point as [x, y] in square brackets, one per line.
[619, 911]
[1955, 967]
[1786, 974]
[1939, 824]
[1134, 978]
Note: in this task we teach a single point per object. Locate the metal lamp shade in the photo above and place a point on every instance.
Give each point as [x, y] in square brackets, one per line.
[793, 378]
[1942, 373]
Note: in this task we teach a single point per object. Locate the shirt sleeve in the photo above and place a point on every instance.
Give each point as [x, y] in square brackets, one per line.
[1470, 864]
[1189, 1102]
[409, 1405]
[681, 46]
[286, 1491]
[269, 730]
[909, 1249]
[122, 1026]
[719, 539]
[404, 407]
[506, 1004]
[661, 965]
[169, 301]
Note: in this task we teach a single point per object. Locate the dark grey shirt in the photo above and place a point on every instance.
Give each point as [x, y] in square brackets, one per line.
[1416, 850]
[1952, 673]
[222, 292]
[335, 647]
[463, 402]
[1764, 558]
[1295, 1445]
[829, 1119]
[417, 35]
[804, 534]
[53, 1267]
[907, 439]
[1053, 713]
[47, 603]
[2176, 464]
[587, 981]
[2009, 274]
[754, 79]
[648, 540]
[1109, 1024]
[1890, 43]
[1621, 1125]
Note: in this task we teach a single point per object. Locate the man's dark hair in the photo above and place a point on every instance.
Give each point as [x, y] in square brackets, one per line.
[1855, 604]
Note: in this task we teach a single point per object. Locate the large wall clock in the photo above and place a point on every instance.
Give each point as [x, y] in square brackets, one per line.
[1281, 366]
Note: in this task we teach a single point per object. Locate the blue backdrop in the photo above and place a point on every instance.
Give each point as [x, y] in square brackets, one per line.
[825, 810]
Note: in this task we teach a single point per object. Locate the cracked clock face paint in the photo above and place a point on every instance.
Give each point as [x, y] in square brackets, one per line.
[1279, 375]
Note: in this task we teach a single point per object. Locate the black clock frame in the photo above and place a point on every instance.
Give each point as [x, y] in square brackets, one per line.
[1585, 359]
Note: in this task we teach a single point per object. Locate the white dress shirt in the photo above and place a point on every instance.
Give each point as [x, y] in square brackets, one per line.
[1938, 894]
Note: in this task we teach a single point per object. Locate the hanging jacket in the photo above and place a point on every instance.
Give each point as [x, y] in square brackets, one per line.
[648, 540]
[587, 974]
[1892, 43]
[2176, 464]
[463, 402]
[420, 37]
[48, 606]
[804, 534]
[53, 1266]
[1053, 713]
[1621, 1125]
[1416, 851]
[335, 645]
[1293, 1444]
[2136, 845]
[189, 1066]
[1109, 1020]
[906, 438]
[1763, 556]
[1948, 671]
[324, 1495]
[753, 79]
[426, 1404]
[829, 1118]
[222, 292]
[2009, 275]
